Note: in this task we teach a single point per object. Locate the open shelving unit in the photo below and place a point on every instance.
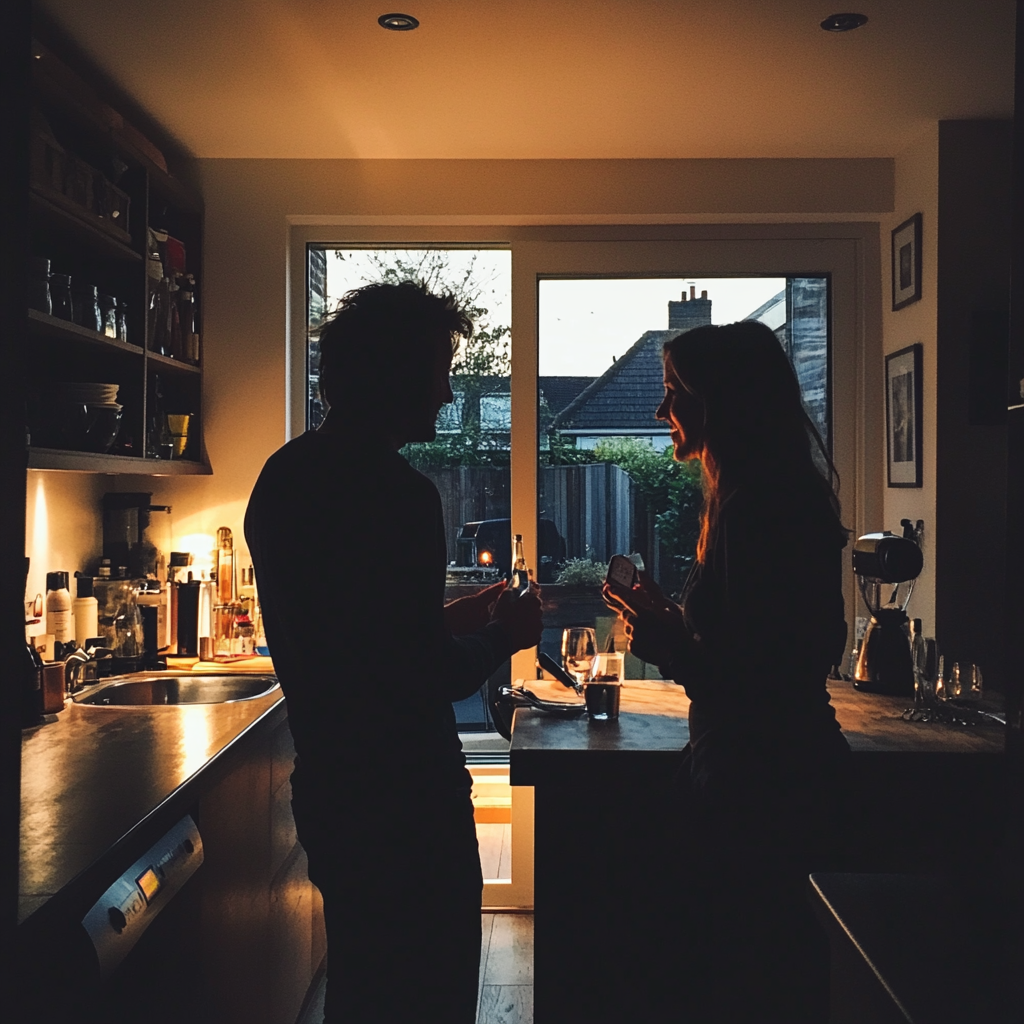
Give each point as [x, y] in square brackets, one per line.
[111, 255]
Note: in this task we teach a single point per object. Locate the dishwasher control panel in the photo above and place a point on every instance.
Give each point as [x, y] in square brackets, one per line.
[118, 919]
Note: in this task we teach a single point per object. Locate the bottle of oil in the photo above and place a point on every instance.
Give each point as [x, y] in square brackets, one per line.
[521, 575]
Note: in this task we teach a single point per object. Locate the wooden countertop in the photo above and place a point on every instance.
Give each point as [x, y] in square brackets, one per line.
[91, 779]
[653, 720]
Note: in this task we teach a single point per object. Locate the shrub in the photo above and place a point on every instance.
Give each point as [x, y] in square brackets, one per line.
[581, 572]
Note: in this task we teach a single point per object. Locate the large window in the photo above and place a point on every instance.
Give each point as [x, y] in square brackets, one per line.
[469, 460]
[606, 480]
[511, 449]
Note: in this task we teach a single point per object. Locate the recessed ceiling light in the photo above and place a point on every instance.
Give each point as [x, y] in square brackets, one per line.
[844, 22]
[398, 22]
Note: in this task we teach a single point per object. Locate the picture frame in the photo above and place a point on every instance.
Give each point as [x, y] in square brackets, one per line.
[906, 263]
[903, 419]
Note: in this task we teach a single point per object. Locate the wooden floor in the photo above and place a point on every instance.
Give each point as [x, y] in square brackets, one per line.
[506, 970]
[495, 849]
[506, 973]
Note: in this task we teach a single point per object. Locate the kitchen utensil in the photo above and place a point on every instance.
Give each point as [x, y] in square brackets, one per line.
[550, 665]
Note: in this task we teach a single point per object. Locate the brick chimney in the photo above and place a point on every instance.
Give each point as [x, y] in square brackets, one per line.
[689, 312]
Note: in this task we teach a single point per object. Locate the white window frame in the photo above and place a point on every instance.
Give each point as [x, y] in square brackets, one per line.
[848, 253]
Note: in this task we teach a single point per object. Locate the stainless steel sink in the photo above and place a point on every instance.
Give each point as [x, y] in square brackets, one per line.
[156, 689]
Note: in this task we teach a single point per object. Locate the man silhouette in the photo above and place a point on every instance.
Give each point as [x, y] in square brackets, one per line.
[348, 544]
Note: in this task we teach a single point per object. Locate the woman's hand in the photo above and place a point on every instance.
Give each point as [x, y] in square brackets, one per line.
[470, 614]
[654, 625]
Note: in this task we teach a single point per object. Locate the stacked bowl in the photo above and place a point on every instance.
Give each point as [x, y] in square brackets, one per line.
[79, 416]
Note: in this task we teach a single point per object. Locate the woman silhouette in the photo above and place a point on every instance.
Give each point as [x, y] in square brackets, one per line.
[759, 627]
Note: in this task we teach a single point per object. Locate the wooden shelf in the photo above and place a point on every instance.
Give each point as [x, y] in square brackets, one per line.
[175, 365]
[40, 323]
[83, 225]
[89, 462]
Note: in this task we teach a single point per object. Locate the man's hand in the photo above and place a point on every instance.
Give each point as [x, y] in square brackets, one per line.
[520, 617]
[470, 614]
[653, 624]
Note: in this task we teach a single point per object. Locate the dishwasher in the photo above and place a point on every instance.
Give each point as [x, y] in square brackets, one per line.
[128, 953]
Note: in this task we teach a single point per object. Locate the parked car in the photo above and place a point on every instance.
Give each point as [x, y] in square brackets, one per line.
[489, 542]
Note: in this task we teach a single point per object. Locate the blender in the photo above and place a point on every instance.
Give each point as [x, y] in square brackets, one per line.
[884, 563]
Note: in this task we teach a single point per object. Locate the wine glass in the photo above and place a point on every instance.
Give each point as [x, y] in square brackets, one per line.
[579, 649]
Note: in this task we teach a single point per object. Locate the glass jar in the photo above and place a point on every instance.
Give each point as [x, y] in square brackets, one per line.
[87, 308]
[108, 315]
[60, 295]
[39, 286]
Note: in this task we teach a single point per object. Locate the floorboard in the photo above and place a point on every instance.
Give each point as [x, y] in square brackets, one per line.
[505, 994]
[506, 1004]
[505, 861]
[490, 838]
[510, 955]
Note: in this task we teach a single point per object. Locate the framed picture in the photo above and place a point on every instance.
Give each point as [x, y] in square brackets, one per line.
[903, 416]
[906, 263]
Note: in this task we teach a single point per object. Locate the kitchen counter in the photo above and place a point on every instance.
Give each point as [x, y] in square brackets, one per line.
[653, 721]
[926, 797]
[104, 778]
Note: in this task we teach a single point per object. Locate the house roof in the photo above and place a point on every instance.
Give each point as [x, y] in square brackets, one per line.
[625, 396]
[769, 313]
[560, 391]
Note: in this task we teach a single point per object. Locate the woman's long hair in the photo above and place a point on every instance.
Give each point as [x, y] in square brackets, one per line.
[755, 427]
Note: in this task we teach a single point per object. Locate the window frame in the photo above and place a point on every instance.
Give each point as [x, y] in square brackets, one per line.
[846, 252]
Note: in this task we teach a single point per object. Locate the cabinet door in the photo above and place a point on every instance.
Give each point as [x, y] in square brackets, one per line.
[234, 820]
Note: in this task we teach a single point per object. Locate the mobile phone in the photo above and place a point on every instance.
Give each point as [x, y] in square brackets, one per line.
[550, 665]
[622, 572]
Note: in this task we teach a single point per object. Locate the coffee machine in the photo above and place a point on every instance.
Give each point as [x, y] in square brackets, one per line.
[127, 518]
[884, 563]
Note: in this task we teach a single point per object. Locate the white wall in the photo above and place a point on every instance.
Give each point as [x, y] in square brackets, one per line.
[917, 191]
[251, 204]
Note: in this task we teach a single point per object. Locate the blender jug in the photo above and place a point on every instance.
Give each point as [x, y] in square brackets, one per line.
[120, 622]
[883, 563]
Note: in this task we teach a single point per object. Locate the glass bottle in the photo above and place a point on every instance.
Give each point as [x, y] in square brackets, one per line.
[245, 635]
[108, 315]
[175, 344]
[122, 321]
[187, 318]
[520, 582]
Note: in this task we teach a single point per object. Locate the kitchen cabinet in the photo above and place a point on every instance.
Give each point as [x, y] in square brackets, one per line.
[98, 190]
[608, 894]
[258, 916]
[242, 940]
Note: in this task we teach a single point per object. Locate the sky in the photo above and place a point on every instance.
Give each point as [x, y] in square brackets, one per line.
[583, 322]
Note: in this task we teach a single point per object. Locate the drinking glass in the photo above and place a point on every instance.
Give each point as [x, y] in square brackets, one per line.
[926, 671]
[579, 649]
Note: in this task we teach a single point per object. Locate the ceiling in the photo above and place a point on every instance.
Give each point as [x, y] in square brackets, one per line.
[549, 78]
